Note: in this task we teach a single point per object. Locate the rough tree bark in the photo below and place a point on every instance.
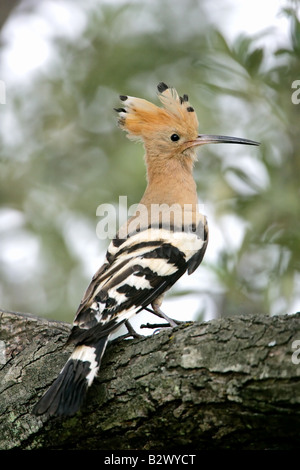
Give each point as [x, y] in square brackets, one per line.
[229, 383]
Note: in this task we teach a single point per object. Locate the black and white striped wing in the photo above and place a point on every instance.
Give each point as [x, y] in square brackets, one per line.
[138, 270]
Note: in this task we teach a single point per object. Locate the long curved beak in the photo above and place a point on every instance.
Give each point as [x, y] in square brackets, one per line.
[219, 139]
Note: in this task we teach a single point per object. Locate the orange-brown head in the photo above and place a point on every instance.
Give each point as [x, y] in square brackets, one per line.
[164, 130]
[170, 130]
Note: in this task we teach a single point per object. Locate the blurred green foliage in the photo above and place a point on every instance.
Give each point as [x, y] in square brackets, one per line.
[62, 155]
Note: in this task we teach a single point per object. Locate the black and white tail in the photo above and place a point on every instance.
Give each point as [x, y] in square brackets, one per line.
[67, 393]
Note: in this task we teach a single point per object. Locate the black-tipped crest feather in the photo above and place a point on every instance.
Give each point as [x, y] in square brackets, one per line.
[162, 87]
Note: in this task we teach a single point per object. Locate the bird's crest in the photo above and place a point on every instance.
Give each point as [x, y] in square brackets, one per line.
[140, 118]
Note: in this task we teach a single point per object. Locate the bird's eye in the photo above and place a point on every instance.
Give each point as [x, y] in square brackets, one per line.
[175, 137]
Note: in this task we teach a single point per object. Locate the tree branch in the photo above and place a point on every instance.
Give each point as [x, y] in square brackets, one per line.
[229, 383]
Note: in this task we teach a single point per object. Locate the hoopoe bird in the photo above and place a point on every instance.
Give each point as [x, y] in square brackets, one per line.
[166, 238]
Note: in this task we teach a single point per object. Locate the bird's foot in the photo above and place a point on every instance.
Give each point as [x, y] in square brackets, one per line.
[131, 331]
[158, 312]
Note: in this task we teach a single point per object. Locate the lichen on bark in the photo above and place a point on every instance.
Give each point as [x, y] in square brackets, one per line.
[228, 383]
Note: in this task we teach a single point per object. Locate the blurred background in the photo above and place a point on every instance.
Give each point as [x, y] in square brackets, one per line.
[63, 64]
